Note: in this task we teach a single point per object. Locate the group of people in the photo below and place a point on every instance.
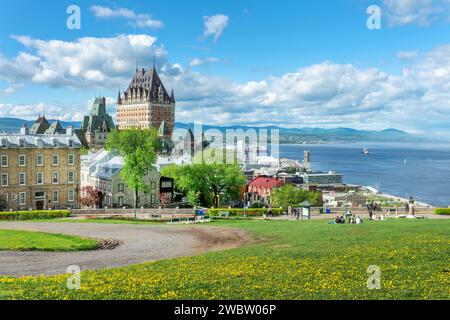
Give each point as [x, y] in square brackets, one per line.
[351, 220]
[372, 207]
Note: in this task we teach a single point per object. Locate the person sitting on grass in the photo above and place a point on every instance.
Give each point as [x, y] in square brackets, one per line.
[358, 220]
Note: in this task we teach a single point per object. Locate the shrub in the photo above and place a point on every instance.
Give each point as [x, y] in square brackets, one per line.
[34, 215]
[241, 212]
[443, 211]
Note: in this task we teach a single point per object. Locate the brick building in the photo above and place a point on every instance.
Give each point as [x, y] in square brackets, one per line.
[40, 171]
[146, 104]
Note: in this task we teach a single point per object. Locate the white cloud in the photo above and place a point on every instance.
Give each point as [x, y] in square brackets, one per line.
[198, 62]
[326, 94]
[136, 20]
[214, 26]
[84, 63]
[419, 12]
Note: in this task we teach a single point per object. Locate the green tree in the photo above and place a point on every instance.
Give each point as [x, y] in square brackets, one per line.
[139, 148]
[291, 196]
[193, 198]
[210, 181]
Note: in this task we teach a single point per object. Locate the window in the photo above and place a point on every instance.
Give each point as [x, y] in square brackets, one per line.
[4, 179]
[71, 195]
[120, 200]
[22, 178]
[153, 185]
[71, 159]
[120, 187]
[40, 160]
[55, 160]
[70, 177]
[22, 160]
[55, 177]
[55, 196]
[145, 171]
[22, 198]
[167, 184]
[153, 199]
[39, 178]
[4, 161]
[109, 186]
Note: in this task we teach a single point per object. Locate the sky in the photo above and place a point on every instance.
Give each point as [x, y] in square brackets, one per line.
[288, 63]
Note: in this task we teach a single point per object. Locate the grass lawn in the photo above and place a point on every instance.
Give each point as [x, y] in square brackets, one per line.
[296, 260]
[28, 240]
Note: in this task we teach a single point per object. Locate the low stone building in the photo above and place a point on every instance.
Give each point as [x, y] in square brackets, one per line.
[101, 170]
[40, 171]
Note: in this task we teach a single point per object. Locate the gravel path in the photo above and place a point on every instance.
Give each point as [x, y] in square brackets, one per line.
[139, 243]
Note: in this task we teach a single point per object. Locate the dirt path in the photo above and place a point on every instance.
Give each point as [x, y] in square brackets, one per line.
[139, 243]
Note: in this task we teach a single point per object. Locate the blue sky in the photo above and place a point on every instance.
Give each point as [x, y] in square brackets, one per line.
[288, 63]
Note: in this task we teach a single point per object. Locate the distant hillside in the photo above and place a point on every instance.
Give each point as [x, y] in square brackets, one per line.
[287, 135]
[312, 135]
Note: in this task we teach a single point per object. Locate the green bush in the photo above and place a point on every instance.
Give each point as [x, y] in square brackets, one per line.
[443, 211]
[34, 215]
[241, 212]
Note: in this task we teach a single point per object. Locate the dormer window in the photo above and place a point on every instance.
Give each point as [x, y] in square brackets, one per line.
[21, 142]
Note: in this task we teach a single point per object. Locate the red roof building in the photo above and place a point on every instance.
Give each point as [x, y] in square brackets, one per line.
[260, 189]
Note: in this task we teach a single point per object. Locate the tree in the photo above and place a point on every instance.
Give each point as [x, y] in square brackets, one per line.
[291, 196]
[209, 181]
[193, 198]
[91, 197]
[139, 148]
[3, 202]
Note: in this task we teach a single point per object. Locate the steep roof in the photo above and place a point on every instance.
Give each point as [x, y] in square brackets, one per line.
[266, 182]
[148, 83]
[40, 126]
[99, 119]
[55, 128]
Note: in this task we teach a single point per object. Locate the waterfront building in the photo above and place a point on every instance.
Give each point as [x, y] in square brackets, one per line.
[146, 104]
[322, 178]
[40, 171]
[97, 125]
[101, 171]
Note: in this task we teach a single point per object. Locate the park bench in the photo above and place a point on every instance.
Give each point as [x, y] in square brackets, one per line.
[224, 214]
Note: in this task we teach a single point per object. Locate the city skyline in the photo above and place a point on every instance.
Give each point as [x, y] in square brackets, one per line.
[288, 64]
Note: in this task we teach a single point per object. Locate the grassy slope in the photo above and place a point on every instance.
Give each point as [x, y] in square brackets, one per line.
[298, 260]
[27, 240]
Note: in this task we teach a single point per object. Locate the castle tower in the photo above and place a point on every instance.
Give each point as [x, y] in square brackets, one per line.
[146, 104]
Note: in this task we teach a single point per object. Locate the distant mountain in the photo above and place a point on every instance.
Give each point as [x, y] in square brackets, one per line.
[315, 135]
[287, 135]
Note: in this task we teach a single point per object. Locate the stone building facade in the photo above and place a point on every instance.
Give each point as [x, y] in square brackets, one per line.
[101, 171]
[40, 171]
[146, 104]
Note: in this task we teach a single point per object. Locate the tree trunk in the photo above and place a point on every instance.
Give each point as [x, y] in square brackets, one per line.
[135, 203]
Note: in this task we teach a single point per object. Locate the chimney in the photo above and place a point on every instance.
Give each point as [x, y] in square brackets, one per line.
[24, 130]
[69, 131]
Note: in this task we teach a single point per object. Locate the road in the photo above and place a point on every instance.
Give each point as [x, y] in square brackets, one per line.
[139, 243]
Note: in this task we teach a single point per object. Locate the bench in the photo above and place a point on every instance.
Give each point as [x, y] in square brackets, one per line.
[224, 214]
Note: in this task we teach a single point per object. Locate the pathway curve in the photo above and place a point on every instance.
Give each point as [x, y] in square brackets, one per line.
[140, 243]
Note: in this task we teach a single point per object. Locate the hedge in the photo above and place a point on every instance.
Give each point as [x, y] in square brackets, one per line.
[443, 211]
[34, 215]
[241, 212]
